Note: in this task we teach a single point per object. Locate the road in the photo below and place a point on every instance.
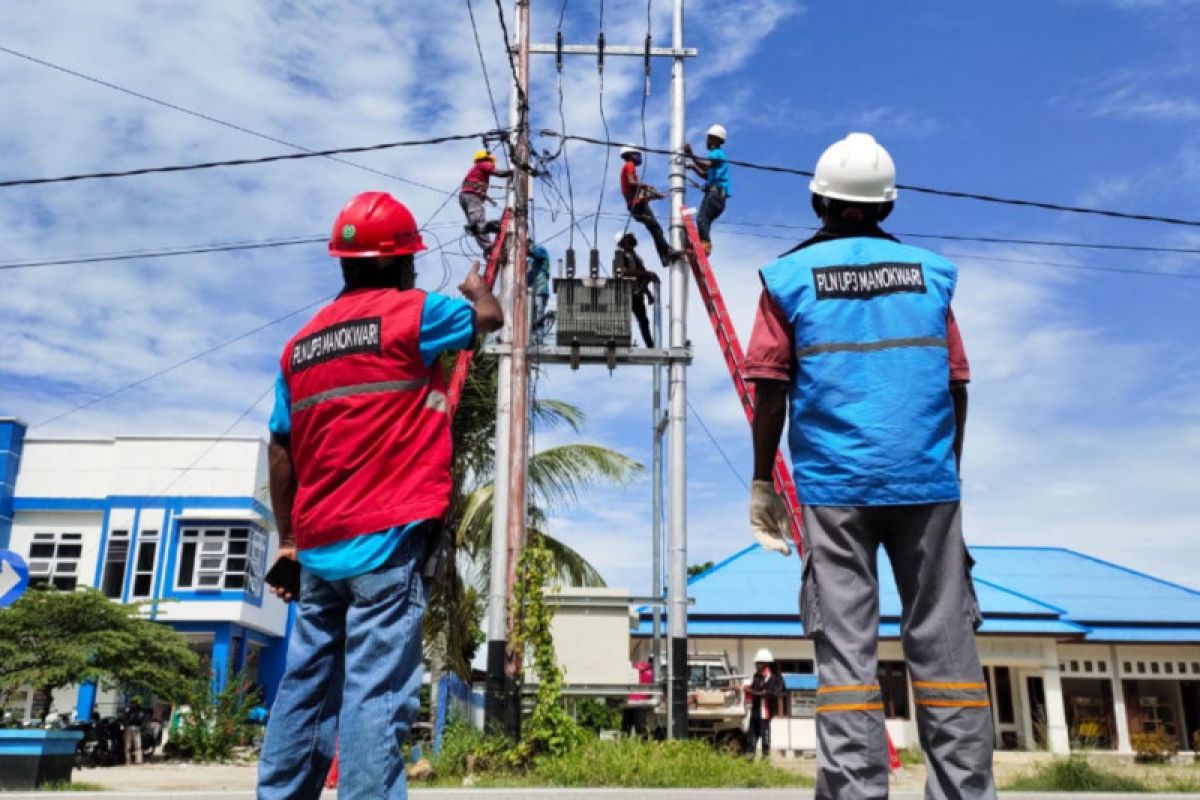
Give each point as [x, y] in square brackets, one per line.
[576, 794]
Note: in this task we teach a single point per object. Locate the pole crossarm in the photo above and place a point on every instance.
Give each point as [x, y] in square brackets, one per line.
[611, 50]
[598, 354]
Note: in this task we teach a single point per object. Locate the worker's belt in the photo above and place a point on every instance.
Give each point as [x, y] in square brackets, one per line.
[358, 389]
[868, 347]
[862, 697]
[951, 694]
[474, 188]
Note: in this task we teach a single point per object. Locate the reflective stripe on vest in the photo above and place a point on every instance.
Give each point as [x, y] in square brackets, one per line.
[867, 347]
[356, 389]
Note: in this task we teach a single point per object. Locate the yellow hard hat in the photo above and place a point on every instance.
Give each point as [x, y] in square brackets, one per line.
[480, 155]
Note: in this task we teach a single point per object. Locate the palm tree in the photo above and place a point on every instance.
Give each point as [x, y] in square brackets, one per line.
[556, 477]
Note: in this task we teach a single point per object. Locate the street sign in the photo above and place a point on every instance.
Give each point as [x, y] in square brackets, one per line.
[14, 577]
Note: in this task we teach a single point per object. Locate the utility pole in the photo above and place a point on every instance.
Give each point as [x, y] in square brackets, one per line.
[677, 409]
[502, 703]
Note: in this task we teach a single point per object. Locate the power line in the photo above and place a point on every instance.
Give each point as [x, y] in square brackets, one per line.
[178, 364]
[986, 198]
[483, 65]
[244, 161]
[1137, 248]
[717, 445]
[210, 118]
[1040, 263]
[165, 253]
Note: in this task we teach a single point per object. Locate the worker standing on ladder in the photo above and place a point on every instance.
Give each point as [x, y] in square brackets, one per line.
[855, 332]
[638, 197]
[717, 188]
[474, 194]
[633, 268]
[360, 476]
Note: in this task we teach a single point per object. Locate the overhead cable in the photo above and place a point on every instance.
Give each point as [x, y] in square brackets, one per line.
[986, 198]
[245, 161]
[209, 117]
[487, 82]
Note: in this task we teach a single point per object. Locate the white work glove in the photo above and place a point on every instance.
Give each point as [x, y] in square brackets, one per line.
[769, 521]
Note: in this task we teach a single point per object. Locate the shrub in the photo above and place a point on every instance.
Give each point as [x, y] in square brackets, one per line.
[467, 751]
[911, 756]
[597, 715]
[1154, 747]
[1074, 774]
[215, 726]
[642, 763]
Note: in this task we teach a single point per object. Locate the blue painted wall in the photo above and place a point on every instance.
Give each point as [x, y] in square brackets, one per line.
[12, 441]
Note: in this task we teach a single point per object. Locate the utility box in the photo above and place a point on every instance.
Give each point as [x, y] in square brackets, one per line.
[590, 629]
[594, 311]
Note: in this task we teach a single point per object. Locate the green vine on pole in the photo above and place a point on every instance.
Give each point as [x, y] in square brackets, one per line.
[549, 728]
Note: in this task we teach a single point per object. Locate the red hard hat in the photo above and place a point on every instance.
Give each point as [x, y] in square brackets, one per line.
[374, 224]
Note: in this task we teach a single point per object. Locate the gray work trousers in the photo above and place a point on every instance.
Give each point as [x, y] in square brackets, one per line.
[839, 604]
[472, 206]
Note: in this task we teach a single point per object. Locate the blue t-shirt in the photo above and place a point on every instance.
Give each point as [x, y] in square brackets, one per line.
[718, 171]
[538, 275]
[446, 324]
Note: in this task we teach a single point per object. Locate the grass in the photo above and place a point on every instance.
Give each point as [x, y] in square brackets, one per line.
[1074, 774]
[911, 757]
[71, 786]
[637, 763]
[627, 762]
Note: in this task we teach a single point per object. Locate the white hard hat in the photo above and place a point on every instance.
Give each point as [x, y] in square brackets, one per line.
[856, 169]
[620, 235]
[763, 656]
[718, 131]
[629, 150]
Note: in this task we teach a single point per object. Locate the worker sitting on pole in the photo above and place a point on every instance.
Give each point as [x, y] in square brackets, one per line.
[474, 194]
[717, 189]
[537, 278]
[638, 197]
[855, 332]
[633, 268]
[360, 460]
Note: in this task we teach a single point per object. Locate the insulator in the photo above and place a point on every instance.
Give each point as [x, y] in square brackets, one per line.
[570, 262]
[594, 263]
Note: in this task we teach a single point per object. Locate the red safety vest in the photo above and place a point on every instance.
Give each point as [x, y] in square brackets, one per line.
[370, 433]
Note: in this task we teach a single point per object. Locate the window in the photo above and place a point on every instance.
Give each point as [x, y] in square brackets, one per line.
[1141, 667]
[54, 560]
[1127, 667]
[1074, 666]
[1101, 666]
[1087, 666]
[803, 704]
[143, 565]
[212, 559]
[1154, 667]
[115, 562]
[1004, 695]
[1196, 667]
[893, 683]
[796, 666]
[1182, 667]
[1169, 667]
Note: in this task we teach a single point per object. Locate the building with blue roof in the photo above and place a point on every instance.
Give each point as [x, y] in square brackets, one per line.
[175, 523]
[1077, 651]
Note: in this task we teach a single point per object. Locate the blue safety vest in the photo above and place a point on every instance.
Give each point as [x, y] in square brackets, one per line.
[872, 420]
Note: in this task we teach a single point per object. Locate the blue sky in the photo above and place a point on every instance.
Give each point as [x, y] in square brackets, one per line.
[1084, 428]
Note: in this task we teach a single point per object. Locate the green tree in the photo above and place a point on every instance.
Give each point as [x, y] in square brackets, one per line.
[51, 639]
[557, 475]
[695, 569]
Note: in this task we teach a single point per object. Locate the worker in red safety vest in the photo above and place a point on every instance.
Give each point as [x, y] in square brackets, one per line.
[360, 459]
[473, 195]
[638, 196]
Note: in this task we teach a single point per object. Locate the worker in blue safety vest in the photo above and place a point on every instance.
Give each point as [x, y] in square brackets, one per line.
[856, 342]
[717, 189]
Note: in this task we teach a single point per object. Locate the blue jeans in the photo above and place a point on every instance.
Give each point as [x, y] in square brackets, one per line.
[711, 207]
[353, 672]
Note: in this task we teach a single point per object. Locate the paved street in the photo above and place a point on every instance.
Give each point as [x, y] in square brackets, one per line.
[580, 794]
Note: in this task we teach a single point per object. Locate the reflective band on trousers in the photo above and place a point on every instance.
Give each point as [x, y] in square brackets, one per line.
[951, 694]
[358, 388]
[849, 698]
[867, 347]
